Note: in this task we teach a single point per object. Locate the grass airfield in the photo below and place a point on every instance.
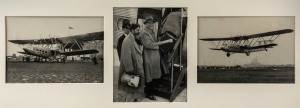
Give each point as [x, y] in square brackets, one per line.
[249, 75]
[44, 72]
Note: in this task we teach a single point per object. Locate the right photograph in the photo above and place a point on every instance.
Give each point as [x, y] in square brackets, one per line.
[246, 49]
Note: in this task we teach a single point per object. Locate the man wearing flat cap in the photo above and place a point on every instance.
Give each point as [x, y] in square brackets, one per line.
[151, 55]
[125, 29]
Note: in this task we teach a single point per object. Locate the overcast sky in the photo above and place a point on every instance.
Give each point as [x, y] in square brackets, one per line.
[217, 27]
[20, 28]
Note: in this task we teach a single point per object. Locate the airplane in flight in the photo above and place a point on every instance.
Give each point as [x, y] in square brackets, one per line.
[43, 48]
[247, 43]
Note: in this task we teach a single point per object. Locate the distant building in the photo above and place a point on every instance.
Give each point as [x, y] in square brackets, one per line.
[254, 63]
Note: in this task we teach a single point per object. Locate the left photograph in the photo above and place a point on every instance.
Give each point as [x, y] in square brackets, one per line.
[54, 49]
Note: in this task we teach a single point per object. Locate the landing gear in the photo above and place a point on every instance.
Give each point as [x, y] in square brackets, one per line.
[228, 54]
[247, 53]
[27, 59]
[36, 59]
[58, 60]
[95, 61]
[50, 59]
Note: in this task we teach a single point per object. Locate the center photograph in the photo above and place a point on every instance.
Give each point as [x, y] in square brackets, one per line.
[150, 56]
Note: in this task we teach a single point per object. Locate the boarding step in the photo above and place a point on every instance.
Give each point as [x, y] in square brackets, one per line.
[163, 85]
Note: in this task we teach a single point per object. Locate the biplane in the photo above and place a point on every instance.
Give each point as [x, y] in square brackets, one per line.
[247, 43]
[65, 46]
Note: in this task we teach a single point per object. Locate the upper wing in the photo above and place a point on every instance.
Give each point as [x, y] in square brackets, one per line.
[216, 39]
[271, 33]
[82, 38]
[246, 37]
[32, 41]
[79, 52]
[63, 40]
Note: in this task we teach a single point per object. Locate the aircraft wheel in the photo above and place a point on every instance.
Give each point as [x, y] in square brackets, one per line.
[27, 59]
[228, 54]
[58, 60]
[247, 54]
[50, 60]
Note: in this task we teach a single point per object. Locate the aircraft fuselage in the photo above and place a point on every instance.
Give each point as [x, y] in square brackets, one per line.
[40, 52]
[241, 49]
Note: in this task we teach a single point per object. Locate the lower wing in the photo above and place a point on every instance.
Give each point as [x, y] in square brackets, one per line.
[22, 53]
[216, 48]
[264, 46]
[79, 52]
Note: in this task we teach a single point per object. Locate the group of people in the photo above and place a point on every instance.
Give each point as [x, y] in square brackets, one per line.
[139, 53]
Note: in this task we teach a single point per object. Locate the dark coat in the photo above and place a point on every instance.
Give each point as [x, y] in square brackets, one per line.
[151, 55]
[131, 60]
[119, 45]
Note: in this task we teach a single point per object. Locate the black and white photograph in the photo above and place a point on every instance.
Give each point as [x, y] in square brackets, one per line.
[254, 49]
[54, 49]
[150, 54]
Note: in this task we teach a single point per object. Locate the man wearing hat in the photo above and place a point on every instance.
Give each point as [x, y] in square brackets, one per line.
[125, 29]
[151, 55]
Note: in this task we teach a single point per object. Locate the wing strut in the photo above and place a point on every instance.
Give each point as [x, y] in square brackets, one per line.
[272, 40]
[251, 42]
[218, 44]
[67, 43]
[77, 44]
[256, 41]
[212, 43]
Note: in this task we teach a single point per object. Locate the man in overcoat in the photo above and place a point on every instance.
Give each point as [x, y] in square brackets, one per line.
[151, 55]
[132, 62]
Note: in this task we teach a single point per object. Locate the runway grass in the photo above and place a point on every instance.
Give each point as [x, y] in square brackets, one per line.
[70, 72]
[284, 75]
